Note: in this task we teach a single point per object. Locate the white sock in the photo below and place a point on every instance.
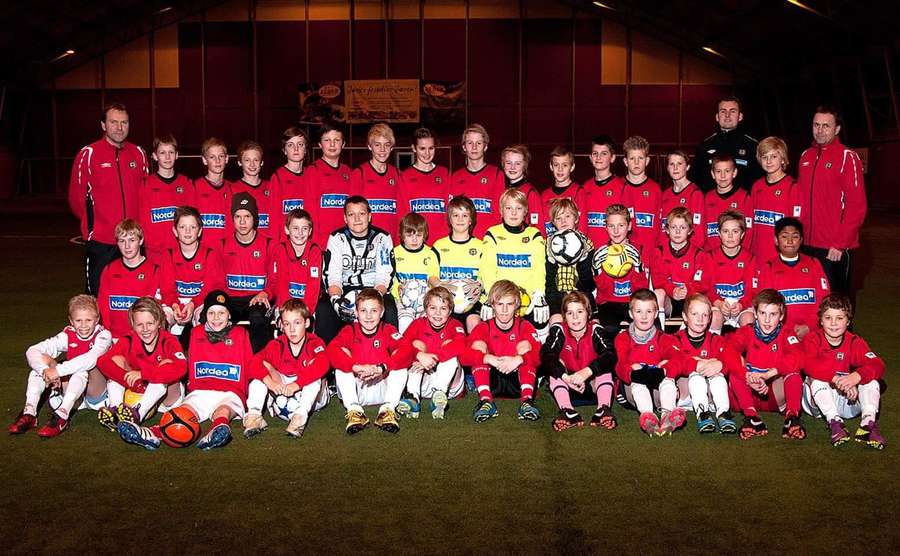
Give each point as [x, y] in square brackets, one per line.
[347, 387]
[404, 319]
[869, 399]
[115, 393]
[444, 374]
[152, 395]
[668, 394]
[74, 390]
[718, 389]
[699, 389]
[642, 398]
[823, 395]
[308, 396]
[256, 396]
[33, 390]
[414, 384]
[396, 383]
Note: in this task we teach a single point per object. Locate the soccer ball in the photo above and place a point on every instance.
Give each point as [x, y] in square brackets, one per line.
[525, 302]
[617, 263]
[55, 399]
[179, 427]
[412, 293]
[461, 301]
[566, 247]
[285, 406]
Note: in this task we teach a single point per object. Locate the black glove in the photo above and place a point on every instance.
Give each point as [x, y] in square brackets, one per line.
[648, 375]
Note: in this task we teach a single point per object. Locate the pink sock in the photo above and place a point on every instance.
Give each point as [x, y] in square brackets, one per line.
[603, 386]
[560, 392]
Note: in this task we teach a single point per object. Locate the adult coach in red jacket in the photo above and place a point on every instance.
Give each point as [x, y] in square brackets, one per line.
[832, 198]
[103, 189]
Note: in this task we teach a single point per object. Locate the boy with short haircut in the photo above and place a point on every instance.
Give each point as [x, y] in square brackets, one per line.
[247, 262]
[645, 357]
[329, 180]
[161, 193]
[514, 161]
[770, 378]
[211, 195]
[844, 375]
[725, 197]
[250, 160]
[613, 293]
[728, 274]
[289, 184]
[800, 278]
[459, 255]
[293, 365]
[566, 276]
[601, 191]
[641, 194]
[126, 279]
[772, 197]
[504, 354]
[416, 267]
[683, 193]
[425, 186]
[297, 262]
[370, 367]
[479, 181]
[437, 344]
[83, 341]
[379, 181]
[674, 264]
[562, 164]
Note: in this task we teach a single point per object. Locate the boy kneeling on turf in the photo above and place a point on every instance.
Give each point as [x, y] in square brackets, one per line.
[83, 341]
[437, 342]
[220, 368]
[504, 354]
[844, 375]
[369, 366]
[292, 365]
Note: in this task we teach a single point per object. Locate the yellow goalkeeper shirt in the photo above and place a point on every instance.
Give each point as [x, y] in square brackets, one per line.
[459, 260]
[518, 256]
[413, 265]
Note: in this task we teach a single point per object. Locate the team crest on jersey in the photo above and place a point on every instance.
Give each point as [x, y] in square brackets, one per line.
[158, 358]
[256, 254]
[733, 205]
[376, 344]
[526, 239]
[793, 340]
[396, 336]
[132, 164]
[228, 341]
[319, 349]
[824, 283]
[438, 179]
[198, 266]
[346, 176]
[704, 354]
[266, 192]
[473, 251]
[742, 152]
[805, 269]
[140, 276]
[179, 189]
[828, 165]
[391, 181]
[740, 264]
[685, 265]
[651, 348]
[682, 201]
[609, 193]
[483, 181]
[303, 263]
[645, 193]
[512, 337]
[778, 193]
[840, 356]
[871, 354]
[425, 262]
[774, 347]
[73, 345]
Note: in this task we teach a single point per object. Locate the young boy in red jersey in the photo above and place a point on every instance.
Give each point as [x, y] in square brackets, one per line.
[645, 357]
[683, 193]
[370, 365]
[126, 279]
[148, 360]
[844, 375]
[674, 264]
[770, 378]
[437, 343]
[613, 293]
[161, 193]
[297, 263]
[641, 194]
[293, 366]
[504, 354]
[211, 194]
[772, 197]
[219, 370]
[289, 184]
[250, 160]
[379, 181]
[514, 161]
[562, 164]
[580, 363]
[726, 196]
[425, 186]
[329, 180]
[798, 277]
[728, 274]
[706, 372]
[247, 261]
[601, 191]
[83, 341]
[479, 181]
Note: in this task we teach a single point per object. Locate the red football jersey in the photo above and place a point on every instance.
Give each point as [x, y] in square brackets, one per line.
[504, 342]
[265, 201]
[192, 278]
[662, 347]
[310, 365]
[771, 202]
[157, 202]
[595, 198]
[723, 277]
[329, 188]
[620, 289]
[484, 187]
[120, 287]
[426, 193]
[381, 347]
[213, 203]
[289, 191]
[643, 202]
[446, 343]
[225, 366]
[690, 198]
[822, 361]
[382, 190]
[297, 276]
[715, 204]
[714, 346]
[76, 345]
[670, 269]
[803, 286]
[573, 191]
[135, 353]
[246, 266]
[782, 354]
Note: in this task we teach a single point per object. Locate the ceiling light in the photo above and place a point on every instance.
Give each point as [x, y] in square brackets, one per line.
[803, 6]
[605, 6]
[713, 52]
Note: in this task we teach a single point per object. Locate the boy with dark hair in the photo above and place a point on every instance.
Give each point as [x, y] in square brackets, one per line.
[289, 184]
[329, 181]
[425, 186]
[161, 193]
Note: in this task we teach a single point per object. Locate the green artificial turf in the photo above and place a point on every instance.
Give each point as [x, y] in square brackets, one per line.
[437, 487]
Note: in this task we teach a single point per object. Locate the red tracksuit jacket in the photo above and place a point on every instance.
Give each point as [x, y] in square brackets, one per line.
[135, 353]
[595, 198]
[503, 343]
[643, 202]
[225, 366]
[662, 347]
[484, 187]
[426, 193]
[822, 361]
[803, 286]
[297, 277]
[310, 365]
[783, 353]
[213, 202]
[120, 287]
[159, 197]
[714, 346]
[329, 188]
[715, 204]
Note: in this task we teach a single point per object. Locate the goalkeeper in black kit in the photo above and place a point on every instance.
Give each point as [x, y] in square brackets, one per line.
[568, 258]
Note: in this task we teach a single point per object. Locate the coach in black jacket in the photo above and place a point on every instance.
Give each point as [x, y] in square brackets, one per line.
[731, 140]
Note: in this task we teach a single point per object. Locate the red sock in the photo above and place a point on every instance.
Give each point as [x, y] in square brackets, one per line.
[220, 421]
[482, 376]
[793, 392]
[155, 430]
[527, 378]
[742, 394]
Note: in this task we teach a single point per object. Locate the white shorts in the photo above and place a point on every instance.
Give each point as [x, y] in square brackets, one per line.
[206, 402]
[457, 384]
[845, 409]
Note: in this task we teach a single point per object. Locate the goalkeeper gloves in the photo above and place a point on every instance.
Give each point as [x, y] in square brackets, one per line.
[599, 257]
[344, 308]
[487, 312]
[539, 309]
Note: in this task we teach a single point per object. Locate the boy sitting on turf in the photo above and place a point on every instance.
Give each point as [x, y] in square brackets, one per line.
[769, 379]
[504, 354]
[645, 357]
[437, 343]
[369, 366]
[292, 365]
[220, 369]
[148, 360]
[674, 264]
[614, 292]
[576, 354]
[83, 341]
[844, 375]
[416, 269]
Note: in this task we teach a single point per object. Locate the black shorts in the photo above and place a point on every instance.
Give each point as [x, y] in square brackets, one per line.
[461, 317]
[505, 386]
[677, 308]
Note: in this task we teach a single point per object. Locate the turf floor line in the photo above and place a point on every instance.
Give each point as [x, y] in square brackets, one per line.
[456, 487]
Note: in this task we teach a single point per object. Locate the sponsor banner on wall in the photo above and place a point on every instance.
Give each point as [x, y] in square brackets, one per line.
[381, 100]
[444, 105]
[321, 103]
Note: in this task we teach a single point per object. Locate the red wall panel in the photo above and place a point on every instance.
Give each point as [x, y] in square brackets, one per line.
[329, 51]
[405, 51]
[445, 49]
[368, 49]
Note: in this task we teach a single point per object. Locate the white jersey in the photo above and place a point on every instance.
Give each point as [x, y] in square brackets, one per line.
[359, 262]
[85, 351]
